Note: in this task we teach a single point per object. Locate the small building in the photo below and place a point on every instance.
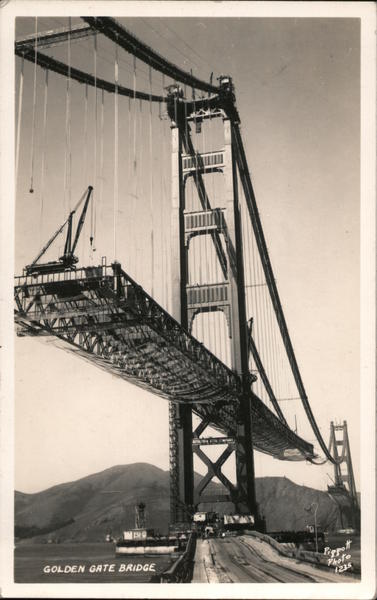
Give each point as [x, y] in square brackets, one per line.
[137, 534]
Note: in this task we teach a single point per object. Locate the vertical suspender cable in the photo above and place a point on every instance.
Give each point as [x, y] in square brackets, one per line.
[92, 206]
[254, 297]
[266, 352]
[101, 160]
[134, 164]
[69, 119]
[251, 292]
[276, 354]
[86, 138]
[199, 275]
[67, 157]
[134, 98]
[268, 358]
[161, 212]
[34, 106]
[190, 243]
[188, 206]
[167, 206]
[246, 262]
[277, 359]
[214, 271]
[207, 236]
[19, 117]
[270, 372]
[163, 222]
[43, 148]
[151, 174]
[129, 190]
[256, 312]
[140, 262]
[282, 390]
[115, 208]
[85, 153]
[262, 321]
[188, 132]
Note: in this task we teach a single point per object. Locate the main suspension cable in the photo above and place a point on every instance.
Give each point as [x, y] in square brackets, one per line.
[113, 30]
[262, 247]
[47, 62]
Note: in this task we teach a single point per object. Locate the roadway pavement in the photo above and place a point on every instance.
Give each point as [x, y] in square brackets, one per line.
[246, 559]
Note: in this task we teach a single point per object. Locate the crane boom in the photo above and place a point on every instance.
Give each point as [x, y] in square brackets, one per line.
[67, 261]
[82, 218]
[50, 241]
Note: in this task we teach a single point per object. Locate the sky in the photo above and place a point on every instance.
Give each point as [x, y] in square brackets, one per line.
[297, 85]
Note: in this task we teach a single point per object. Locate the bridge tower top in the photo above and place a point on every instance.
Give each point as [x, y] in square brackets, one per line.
[340, 448]
[344, 481]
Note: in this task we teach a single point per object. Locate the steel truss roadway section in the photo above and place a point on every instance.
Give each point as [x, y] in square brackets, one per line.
[103, 315]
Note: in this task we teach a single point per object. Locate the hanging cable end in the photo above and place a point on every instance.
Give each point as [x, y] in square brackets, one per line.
[31, 191]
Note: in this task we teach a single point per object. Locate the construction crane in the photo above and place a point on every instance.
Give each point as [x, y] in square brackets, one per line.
[68, 260]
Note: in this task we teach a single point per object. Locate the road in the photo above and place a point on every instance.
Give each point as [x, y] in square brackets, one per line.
[246, 559]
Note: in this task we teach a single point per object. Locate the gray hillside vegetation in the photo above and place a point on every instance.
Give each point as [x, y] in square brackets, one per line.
[89, 508]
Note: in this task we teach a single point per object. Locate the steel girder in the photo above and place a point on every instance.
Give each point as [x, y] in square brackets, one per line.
[104, 316]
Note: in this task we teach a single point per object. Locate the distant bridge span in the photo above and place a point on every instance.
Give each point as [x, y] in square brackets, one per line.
[107, 318]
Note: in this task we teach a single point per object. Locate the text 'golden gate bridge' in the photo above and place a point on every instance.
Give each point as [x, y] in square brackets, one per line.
[216, 344]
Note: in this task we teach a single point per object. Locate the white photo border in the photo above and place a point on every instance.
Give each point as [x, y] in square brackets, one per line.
[366, 12]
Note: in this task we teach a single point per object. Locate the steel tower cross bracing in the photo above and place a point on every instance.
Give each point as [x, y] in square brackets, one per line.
[344, 488]
[180, 416]
[339, 439]
[218, 101]
[187, 301]
[106, 317]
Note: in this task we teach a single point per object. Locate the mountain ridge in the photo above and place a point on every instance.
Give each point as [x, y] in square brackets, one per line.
[88, 508]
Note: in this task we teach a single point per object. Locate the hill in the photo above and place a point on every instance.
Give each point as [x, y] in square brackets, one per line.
[91, 507]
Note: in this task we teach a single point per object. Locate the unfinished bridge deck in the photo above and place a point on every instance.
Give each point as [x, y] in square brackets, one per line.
[103, 315]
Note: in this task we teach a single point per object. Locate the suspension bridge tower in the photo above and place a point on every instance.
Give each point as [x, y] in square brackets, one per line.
[181, 366]
[189, 300]
[344, 489]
